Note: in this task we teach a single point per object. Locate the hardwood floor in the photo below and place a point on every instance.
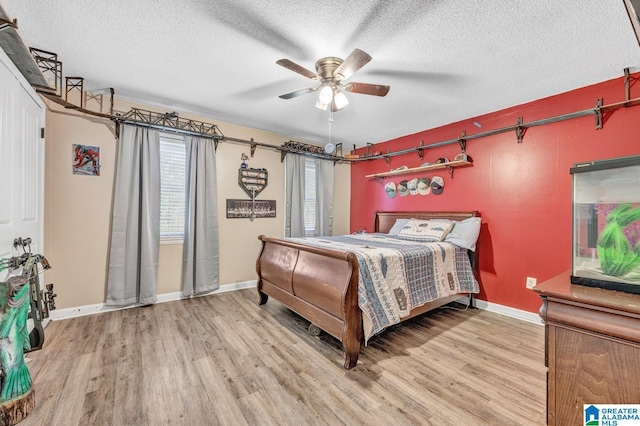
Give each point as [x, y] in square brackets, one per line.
[224, 360]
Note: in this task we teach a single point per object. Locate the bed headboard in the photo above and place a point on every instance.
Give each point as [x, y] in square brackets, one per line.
[385, 220]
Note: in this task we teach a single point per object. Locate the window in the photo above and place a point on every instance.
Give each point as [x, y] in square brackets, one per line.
[172, 186]
[309, 196]
[310, 184]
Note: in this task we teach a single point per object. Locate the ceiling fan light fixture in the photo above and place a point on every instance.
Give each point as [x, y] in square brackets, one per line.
[326, 94]
[340, 100]
[330, 72]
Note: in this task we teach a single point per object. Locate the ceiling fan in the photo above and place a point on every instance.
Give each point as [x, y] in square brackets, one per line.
[331, 72]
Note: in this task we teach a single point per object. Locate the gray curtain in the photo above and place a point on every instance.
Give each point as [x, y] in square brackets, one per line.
[324, 197]
[295, 175]
[135, 223]
[294, 199]
[200, 263]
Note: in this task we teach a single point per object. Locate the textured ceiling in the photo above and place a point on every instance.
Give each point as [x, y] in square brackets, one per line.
[444, 60]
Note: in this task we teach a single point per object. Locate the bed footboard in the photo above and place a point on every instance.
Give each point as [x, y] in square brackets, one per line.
[320, 285]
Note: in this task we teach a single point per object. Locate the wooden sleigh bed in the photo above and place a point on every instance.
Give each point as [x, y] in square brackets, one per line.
[321, 284]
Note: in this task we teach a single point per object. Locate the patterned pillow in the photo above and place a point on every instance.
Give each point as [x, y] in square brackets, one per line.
[433, 230]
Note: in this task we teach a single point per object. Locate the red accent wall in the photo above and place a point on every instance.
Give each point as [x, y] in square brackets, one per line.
[523, 191]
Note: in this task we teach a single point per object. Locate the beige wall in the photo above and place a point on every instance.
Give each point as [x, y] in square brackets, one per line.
[78, 208]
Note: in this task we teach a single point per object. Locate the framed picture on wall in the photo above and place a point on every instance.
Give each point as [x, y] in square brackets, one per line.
[250, 208]
[85, 160]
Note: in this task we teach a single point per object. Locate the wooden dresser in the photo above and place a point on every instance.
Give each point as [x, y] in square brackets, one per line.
[592, 348]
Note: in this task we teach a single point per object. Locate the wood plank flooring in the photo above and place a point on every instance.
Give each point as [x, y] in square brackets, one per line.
[224, 360]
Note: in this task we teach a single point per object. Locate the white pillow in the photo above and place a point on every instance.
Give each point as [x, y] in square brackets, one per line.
[465, 233]
[433, 230]
[397, 227]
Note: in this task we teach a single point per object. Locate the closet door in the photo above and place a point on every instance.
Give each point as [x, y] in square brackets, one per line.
[21, 161]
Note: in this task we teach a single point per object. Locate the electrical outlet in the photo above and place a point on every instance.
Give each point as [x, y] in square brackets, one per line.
[531, 282]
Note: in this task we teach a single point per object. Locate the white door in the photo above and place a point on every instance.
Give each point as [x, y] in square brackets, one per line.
[21, 161]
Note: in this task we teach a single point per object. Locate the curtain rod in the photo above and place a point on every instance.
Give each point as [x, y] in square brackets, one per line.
[168, 129]
[283, 149]
[218, 137]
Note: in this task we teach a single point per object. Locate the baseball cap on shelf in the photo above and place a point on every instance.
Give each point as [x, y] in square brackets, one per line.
[403, 190]
[424, 186]
[437, 185]
[413, 186]
[442, 160]
[391, 189]
[462, 157]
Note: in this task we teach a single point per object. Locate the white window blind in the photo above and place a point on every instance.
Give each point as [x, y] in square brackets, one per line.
[310, 228]
[172, 186]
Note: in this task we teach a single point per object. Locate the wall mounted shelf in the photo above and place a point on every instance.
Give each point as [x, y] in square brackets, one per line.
[450, 166]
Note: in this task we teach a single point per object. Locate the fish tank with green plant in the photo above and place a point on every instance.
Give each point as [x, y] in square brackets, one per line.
[606, 224]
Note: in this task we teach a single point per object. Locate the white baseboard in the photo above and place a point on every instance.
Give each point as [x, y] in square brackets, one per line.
[506, 310]
[82, 311]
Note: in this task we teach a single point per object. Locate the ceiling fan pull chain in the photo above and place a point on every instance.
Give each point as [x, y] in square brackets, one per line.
[330, 124]
[329, 148]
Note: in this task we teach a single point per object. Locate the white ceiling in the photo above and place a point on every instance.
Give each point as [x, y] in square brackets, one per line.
[444, 60]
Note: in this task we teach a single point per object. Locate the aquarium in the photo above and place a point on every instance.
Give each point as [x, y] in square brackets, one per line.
[606, 224]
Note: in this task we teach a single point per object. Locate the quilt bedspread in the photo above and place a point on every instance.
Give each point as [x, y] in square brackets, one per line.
[396, 275]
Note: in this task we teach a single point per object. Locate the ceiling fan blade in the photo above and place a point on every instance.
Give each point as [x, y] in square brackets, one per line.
[356, 60]
[297, 68]
[367, 89]
[297, 93]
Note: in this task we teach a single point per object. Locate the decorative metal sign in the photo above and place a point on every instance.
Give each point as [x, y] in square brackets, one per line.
[253, 181]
